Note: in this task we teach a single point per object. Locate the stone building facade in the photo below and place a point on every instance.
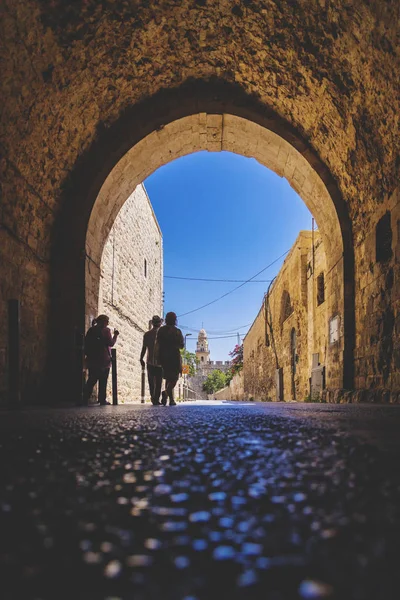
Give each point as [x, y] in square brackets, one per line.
[131, 286]
[291, 328]
[205, 365]
[94, 100]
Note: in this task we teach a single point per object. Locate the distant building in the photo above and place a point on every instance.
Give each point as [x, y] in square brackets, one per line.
[205, 365]
[203, 356]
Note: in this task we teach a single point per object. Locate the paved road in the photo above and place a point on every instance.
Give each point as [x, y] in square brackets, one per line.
[202, 501]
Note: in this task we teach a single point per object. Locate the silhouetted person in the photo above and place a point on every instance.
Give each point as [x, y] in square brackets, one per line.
[98, 343]
[154, 370]
[169, 342]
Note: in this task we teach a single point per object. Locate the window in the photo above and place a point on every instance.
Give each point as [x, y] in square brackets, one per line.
[320, 289]
[384, 238]
[145, 267]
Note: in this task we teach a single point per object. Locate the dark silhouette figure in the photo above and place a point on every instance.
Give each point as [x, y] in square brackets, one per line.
[169, 343]
[98, 343]
[154, 370]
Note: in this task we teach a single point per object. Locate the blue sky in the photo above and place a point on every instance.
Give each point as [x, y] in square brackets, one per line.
[222, 216]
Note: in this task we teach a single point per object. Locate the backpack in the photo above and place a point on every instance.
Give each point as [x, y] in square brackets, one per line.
[94, 342]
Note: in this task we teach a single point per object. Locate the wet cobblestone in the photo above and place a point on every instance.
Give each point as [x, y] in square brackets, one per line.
[197, 503]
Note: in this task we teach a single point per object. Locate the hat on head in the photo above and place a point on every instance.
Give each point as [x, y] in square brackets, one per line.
[156, 320]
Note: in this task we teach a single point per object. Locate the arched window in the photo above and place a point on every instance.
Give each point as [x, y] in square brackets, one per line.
[286, 306]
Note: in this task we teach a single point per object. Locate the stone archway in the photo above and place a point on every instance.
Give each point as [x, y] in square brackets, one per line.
[148, 138]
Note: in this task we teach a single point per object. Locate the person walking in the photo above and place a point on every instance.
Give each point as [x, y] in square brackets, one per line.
[169, 343]
[98, 344]
[154, 370]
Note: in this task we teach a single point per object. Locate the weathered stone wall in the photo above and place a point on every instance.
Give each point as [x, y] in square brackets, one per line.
[235, 390]
[319, 313]
[129, 295]
[236, 387]
[224, 394]
[377, 359]
[24, 276]
[196, 384]
[84, 82]
[267, 348]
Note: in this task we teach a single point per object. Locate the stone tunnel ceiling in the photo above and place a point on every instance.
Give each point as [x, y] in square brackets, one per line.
[70, 69]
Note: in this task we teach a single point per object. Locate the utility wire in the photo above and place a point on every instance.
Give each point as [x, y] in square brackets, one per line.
[216, 332]
[234, 289]
[214, 280]
[221, 337]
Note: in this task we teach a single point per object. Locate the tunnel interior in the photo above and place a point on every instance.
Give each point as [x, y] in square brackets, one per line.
[83, 86]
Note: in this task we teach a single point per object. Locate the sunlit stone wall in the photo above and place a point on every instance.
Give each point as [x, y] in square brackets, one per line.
[266, 349]
[131, 286]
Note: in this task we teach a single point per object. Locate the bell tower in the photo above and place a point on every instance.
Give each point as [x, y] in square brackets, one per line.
[202, 351]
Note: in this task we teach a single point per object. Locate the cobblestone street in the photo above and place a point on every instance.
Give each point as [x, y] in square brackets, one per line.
[201, 501]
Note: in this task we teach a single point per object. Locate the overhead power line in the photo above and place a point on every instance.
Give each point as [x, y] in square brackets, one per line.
[223, 337]
[215, 280]
[220, 337]
[189, 312]
[215, 332]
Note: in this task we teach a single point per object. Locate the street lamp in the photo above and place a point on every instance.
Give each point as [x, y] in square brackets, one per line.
[185, 374]
[186, 335]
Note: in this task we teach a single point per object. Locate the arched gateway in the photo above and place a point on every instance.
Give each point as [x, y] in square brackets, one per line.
[211, 117]
[84, 84]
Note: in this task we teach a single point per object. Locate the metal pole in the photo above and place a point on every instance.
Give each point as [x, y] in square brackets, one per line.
[14, 382]
[184, 375]
[114, 376]
[143, 385]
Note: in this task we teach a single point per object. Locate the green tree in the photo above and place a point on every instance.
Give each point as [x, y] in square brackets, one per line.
[215, 381]
[190, 359]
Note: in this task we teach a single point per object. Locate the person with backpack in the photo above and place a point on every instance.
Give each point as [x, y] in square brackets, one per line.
[98, 344]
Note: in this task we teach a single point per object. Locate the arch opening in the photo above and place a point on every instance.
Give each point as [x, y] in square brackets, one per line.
[217, 132]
